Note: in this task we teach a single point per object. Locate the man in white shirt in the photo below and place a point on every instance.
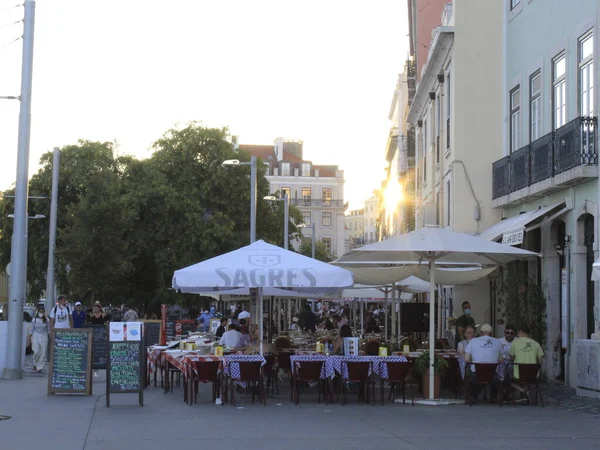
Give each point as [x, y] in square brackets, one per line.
[244, 315]
[61, 315]
[483, 349]
[231, 338]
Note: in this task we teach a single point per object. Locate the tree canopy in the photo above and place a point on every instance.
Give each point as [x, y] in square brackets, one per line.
[125, 224]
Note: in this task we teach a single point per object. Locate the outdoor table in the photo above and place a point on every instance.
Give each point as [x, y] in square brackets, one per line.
[339, 367]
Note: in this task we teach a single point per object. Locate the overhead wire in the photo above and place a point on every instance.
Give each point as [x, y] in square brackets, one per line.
[2, 47]
[12, 23]
[8, 8]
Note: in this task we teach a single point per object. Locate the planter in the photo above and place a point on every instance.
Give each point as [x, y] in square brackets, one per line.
[437, 384]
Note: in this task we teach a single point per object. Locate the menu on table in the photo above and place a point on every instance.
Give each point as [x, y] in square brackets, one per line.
[99, 345]
[70, 361]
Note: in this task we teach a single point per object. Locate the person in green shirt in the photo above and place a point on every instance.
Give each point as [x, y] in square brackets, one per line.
[463, 322]
[524, 350]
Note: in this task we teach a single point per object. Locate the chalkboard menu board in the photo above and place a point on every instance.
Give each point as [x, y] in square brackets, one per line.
[70, 361]
[170, 328]
[125, 369]
[99, 345]
[151, 332]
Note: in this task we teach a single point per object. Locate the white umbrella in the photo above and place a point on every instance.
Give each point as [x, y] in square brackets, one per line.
[596, 271]
[261, 265]
[433, 246]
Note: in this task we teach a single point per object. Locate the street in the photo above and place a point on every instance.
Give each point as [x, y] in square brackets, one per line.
[165, 421]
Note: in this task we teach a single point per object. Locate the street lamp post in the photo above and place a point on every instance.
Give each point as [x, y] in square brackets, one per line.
[286, 216]
[253, 189]
[312, 227]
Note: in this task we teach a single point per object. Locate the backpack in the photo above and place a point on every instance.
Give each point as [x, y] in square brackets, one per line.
[56, 307]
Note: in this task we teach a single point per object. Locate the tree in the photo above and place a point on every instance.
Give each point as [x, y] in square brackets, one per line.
[321, 252]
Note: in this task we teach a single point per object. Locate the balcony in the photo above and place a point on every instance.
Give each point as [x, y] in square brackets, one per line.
[317, 203]
[563, 158]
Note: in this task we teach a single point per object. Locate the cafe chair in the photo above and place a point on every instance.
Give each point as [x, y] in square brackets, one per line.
[485, 374]
[282, 343]
[399, 373]
[528, 374]
[171, 373]
[285, 364]
[269, 373]
[205, 372]
[309, 372]
[358, 373]
[251, 375]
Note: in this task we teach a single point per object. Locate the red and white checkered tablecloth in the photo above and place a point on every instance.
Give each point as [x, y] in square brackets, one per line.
[190, 360]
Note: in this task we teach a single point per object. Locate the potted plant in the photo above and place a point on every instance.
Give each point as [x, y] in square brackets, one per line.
[422, 366]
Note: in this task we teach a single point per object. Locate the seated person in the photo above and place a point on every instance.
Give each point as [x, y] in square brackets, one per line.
[338, 344]
[483, 349]
[462, 346]
[221, 328]
[251, 337]
[243, 326]
[231, 338]
[524, 351]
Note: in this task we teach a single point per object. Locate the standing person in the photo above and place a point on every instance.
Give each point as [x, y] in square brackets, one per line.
[308, 320]
[38, 335]
[130, 315]
[79, 316]
[61, 315]
[97, 318]
[205, 321]
[463, 321]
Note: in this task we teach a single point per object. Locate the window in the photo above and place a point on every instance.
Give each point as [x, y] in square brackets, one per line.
[514, 4]
[448, 207]
[424, 151]
[515, 119]
[267, 168]
[307, 218]
[326, 219]
[285, 169]
[535, 106]
[586, 75]
[286, 191]
[306, 194]
[305, 169]
[326, 196]
[448, 105]
[327, 242]
[559, 97]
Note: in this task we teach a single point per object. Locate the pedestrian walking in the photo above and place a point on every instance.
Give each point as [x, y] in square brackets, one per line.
[61, 315]
[79, 316]
[38, 336]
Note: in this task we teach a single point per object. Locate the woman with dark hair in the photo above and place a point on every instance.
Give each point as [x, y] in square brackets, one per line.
[338, 345]
[38, 334]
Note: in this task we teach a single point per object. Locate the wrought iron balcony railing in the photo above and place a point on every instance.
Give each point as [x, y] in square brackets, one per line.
[572, 145]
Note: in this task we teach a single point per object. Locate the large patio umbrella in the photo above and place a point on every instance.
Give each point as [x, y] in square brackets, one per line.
[261, 265]
[434, 246]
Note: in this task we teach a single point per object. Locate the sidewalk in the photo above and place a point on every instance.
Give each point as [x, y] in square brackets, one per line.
[76, 423]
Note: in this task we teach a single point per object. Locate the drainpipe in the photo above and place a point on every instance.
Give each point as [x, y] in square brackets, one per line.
[504, 78]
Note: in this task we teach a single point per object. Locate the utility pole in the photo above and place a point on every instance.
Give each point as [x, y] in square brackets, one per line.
[18, 280]
[253, 192]
[52, 239]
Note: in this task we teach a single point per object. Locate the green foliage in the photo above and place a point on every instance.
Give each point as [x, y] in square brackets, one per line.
[422, 364]
[321, 252]
[124, 225]
[523, 302]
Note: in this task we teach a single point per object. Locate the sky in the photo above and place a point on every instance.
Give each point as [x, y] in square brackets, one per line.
[323, 71]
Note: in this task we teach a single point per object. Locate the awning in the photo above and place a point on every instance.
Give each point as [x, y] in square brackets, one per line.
[512, 230]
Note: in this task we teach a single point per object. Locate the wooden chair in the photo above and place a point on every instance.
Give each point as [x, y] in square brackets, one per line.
[398, 374]
[205, 372]
[528, 374]
[485, 374]
[309, 372]
[358, 372]
[251, 374]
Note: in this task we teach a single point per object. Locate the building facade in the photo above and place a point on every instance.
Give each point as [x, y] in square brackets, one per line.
[316, 190]
[457, 114]
[355, 227]
[545, 183]
[371, 216]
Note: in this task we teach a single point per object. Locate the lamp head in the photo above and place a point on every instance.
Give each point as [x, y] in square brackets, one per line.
[231, 162]
[270, 198]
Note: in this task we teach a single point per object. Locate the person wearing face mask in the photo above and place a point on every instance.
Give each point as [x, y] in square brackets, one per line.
[38, 334]
[463, 321]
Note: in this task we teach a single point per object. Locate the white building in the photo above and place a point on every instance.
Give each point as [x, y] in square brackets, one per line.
[355, 227]
[317, 190]
[457, 111]
[370, 217]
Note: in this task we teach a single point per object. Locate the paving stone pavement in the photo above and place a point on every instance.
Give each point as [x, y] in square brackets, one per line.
[558, 396]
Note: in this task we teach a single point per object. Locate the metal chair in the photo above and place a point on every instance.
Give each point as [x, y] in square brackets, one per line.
[205, 372]
[485, 374]
[398, 374]
[360, 373]
[528, 374]
[251, 375]
[309, 372]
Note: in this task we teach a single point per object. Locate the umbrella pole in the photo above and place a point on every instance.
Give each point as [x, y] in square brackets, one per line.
[385, 313]
[259, 296]
[431, 329]
[362, 319]
[395, 292]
